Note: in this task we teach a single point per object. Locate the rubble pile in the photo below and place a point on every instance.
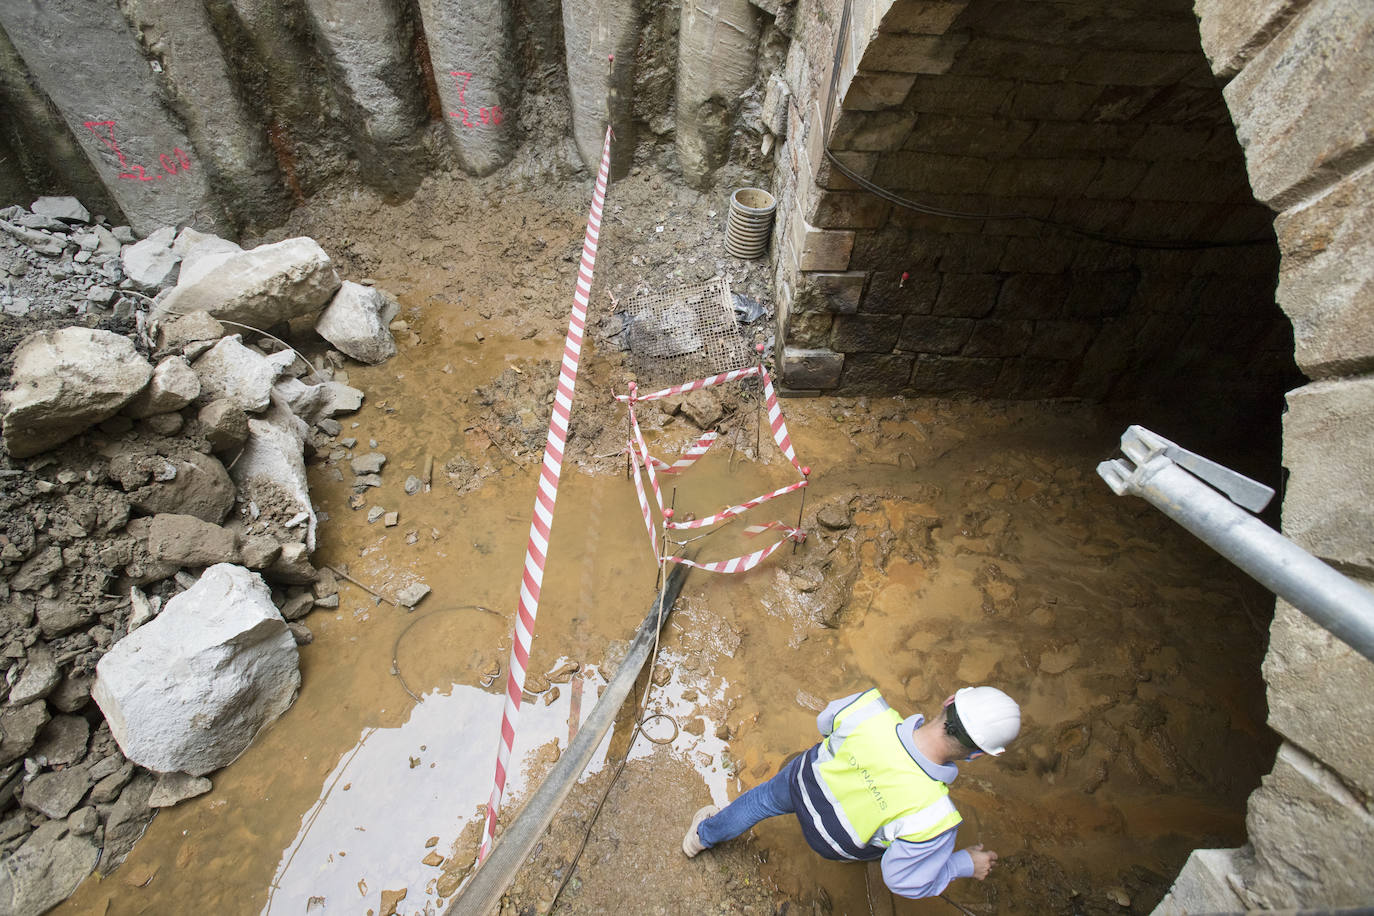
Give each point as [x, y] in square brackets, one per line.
[156, 527]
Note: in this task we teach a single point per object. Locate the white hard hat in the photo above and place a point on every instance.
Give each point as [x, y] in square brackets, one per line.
[991, 718]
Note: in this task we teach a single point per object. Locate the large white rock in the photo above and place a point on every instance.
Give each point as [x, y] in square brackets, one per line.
[356, 322]
[260, 288]
[201, 253]
[66, 381]
[270, 471]
[231, 371]
[174, 385]
[150, 264]
[189, 690]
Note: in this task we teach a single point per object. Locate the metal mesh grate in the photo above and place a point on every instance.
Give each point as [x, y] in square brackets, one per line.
[684, 333]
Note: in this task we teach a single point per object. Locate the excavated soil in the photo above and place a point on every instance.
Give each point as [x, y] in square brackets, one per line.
[950, 543]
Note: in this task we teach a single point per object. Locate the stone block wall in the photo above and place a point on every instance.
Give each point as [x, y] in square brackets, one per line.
[1301, 91]
[1098, 115]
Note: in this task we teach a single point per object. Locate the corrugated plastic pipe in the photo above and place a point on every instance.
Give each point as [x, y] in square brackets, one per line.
[750, 223]
[483, 892]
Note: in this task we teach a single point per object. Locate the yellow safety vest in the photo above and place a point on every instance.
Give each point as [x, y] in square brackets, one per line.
[876, 790]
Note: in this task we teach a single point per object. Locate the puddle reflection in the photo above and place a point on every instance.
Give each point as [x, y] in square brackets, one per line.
[398, 787]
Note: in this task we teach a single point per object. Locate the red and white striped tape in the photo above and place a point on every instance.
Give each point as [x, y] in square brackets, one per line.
[689, 457]
[541, 522]
[725, 515]
[648, 464]
[777, 423]
[731, 376]
[755, 530]
[644, 504]
[746, 562]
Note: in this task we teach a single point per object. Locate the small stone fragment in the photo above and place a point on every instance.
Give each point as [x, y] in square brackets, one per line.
[371, 463]
[412, 595]
[19, 726]
[173, 788]
[389, 901]
[39, 677]
[83, 821]
[835, 517]
[55, 794]
[298, 605]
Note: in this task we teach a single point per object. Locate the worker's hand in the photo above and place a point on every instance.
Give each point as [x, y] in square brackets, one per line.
[982, 861]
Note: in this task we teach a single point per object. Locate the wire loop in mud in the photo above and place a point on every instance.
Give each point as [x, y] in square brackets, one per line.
[396, 646]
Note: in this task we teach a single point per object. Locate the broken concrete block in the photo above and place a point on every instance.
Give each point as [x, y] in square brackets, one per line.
[67, 209]
[305, 401]
[149, 264]
[189, 690]
[41, 242]
[174, 385]
[271, 468]
[66, 381]
[62, 742]
[240, 374]
[371, 463]
[262, 287]
[292, 565]
[342, 399]
[188, 483]
[202, 255]
[356, 322]
[225, 424]
[182, 333]
[37, 570]
[187, 541]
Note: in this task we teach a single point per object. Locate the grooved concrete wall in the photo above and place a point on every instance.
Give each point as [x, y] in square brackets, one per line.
[1100, 115]
[92, 67]
[270, 101]
[1301, 91]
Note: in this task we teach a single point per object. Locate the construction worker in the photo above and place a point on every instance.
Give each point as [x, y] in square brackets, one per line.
[877, 787]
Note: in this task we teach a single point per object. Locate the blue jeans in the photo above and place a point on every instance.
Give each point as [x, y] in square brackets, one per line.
[770, 799]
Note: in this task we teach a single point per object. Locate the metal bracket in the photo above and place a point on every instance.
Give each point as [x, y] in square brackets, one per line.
[1142, 446]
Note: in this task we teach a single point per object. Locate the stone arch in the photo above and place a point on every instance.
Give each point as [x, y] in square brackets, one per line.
[1099, 116]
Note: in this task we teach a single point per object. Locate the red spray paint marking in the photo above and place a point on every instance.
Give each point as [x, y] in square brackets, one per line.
[492, 116]
[179, 161]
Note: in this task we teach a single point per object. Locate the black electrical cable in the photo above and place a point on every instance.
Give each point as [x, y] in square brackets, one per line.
[591, 822]
[898, 200]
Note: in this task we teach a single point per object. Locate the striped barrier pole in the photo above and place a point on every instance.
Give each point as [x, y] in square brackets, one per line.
[541, 523]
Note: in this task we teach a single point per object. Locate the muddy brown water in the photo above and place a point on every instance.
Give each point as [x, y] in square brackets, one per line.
[981, 548]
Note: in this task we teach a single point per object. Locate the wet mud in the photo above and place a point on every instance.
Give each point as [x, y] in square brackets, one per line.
[950, 543]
